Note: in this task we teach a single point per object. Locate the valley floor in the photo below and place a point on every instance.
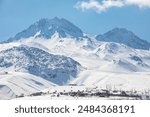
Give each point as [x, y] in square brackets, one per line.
[88, 85]
[86, 93]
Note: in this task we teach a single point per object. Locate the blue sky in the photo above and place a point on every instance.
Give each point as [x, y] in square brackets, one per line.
[16, 15]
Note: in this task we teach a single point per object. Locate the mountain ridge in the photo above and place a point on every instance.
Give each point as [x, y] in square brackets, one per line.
[55, 68]
[46, 28]
[39, 62]
[124, 36]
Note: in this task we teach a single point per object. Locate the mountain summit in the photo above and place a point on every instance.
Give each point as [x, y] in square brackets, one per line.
[46, 28]
[123, 36]
[61, 28]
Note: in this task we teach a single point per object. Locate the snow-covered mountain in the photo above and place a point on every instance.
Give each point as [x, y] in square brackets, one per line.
[122, 58]
[57, 52]
[123, 36]
[46, 28]
[55, 68]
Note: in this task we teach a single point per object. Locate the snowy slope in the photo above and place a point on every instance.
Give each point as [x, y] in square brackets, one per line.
[122, 58]
[58, 52]
[105, 63]
[46, 28]
[107, 56]
[6, 92]
[18, 83]
[125, 81]
[55, 68]
[121, 35]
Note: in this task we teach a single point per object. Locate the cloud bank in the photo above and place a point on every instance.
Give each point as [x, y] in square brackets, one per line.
[102, 5]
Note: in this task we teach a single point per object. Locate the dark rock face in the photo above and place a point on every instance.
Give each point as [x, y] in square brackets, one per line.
[55, 68]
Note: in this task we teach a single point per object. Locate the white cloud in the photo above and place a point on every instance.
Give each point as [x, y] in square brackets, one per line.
[103, 5]
[139, 3]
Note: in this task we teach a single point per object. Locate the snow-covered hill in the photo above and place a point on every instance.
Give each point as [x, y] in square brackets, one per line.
[55, 68]
[120, 57]
[14, 84]
[123, 36]
[106, 63]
